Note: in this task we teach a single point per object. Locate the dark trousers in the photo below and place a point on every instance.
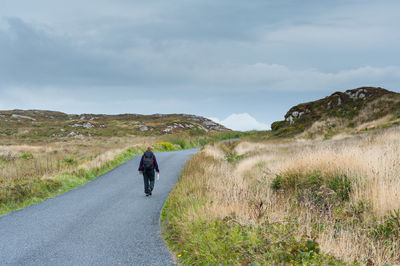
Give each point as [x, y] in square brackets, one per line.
[148, 177]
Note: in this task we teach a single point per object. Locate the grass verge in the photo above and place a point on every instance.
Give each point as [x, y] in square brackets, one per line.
[26, 192]
[201, 224]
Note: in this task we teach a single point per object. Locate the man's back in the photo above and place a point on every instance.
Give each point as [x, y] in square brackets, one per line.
[147, 165]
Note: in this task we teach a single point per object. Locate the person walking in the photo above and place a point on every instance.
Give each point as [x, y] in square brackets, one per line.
[147, 165]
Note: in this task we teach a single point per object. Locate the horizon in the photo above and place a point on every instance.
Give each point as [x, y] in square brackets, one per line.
[233, 120]
[238, 63]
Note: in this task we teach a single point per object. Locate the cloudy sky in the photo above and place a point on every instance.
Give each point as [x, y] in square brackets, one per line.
[243, 63]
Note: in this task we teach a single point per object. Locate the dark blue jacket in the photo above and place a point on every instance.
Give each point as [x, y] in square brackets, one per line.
[154, 160]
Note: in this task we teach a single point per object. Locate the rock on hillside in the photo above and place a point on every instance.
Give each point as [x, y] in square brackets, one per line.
[40, 123]
[341, 109]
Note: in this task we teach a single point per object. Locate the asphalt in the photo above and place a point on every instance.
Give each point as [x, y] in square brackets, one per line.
[108, 221]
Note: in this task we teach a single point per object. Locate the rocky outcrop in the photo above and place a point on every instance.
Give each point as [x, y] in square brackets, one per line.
[22, 117]
[84, 125]
[293, 116]
[87, 125]
[344, 105]
[143, 128]
[186, 126]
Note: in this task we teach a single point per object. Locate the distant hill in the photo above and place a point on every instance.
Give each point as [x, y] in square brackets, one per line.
[354, 110]
[39, 123]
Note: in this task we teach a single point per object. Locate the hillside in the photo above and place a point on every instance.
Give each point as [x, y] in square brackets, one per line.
[354, 110]
[31, 124]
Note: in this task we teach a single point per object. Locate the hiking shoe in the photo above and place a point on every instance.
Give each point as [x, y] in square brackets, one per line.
[150, 193]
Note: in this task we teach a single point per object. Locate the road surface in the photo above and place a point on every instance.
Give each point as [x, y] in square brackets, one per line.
[108, 221]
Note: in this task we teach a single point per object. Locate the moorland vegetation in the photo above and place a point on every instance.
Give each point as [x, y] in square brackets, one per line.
[289, 202]
[321, 188]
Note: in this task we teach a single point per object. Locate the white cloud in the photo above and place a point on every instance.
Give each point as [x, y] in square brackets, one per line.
[241, 122]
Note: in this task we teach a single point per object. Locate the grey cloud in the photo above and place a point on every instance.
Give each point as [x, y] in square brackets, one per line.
[34, 56]
[188, 50]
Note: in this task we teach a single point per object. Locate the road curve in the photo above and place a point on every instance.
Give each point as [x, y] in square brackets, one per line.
[108, 221]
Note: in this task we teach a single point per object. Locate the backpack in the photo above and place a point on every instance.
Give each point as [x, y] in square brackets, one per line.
[148, 162]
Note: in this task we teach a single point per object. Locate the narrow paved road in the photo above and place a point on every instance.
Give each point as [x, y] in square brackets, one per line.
[108, 221]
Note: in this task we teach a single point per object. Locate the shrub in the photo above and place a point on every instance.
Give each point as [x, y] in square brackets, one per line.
[276, 183]
[324, 191]
[329, 134]
[341, 185]
[228, 135]
[233, 157]
[296, 181]
[351, 124]
[50, 184]
[389, 229]
[179, 141]
[278, 124]
[286, 131]
[82, 173]
[69, 160]
[27, 156]
[197, 132]
[166, 146]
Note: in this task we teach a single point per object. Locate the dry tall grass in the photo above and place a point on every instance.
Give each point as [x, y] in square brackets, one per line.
[372, 163]
[51, 159]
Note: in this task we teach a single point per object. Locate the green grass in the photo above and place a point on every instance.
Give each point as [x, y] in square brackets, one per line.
[226, 242]
[189, 142]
